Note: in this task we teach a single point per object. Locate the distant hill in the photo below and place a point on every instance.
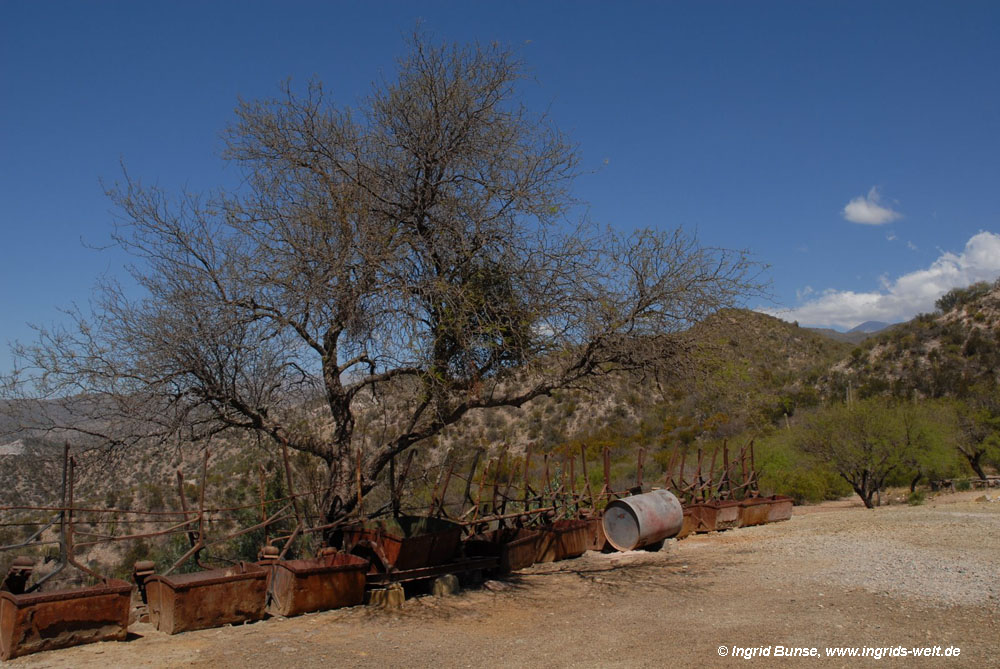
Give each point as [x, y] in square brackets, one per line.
[934, 355]
[855, 335]
[869, 327]
[846, 337]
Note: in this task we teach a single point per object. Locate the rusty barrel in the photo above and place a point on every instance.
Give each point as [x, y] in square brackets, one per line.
[33, 622]
[328, 582]
[641, 520]
[183, 602]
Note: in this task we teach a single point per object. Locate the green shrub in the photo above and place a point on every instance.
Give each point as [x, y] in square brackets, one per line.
[916, 498]
[963, 485]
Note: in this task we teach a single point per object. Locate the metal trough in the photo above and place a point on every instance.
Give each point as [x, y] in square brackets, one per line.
[563, 539]
[598, 541]
[328, 582]
[728, 516]
[688, 523]
[515, 548]
[702, 517]
[712, 516]
[407, 542]
[754, 511]
[780, 508]
[204, 599]
[34, 622]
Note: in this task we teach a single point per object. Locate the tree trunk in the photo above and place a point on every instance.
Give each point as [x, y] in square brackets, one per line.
[974, 462]
[916, 479]
[340, 496]
[864, 494]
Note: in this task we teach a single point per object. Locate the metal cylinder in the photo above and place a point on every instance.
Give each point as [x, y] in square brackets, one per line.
[641, 520]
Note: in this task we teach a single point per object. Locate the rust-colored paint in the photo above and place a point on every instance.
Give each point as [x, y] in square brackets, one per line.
[419, 542]
[598, 540]
[563, 539]
[30, 623]
[780, 509]
[184, 602]
[515, 548]
[702, 517]
[728, 516]
[754, 511]
[328, 582]
[688, 524]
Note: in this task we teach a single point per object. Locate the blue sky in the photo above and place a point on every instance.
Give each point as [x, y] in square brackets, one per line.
[852, 146]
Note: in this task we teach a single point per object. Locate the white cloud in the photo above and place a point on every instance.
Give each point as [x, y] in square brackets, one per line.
[868, 209]
[908, 295]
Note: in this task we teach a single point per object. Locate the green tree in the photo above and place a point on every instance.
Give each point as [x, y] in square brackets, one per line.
[930, 429]
[979, 427]
[865, 442]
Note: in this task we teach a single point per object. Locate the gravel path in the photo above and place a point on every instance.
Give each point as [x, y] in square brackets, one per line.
[945, 554]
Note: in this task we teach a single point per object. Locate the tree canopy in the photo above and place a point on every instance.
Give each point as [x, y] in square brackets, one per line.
[871, 442]
[384, 271]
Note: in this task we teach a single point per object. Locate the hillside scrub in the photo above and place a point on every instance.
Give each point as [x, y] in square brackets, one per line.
[785, 469]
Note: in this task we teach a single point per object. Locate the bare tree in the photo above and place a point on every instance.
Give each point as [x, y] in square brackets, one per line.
[384, 272]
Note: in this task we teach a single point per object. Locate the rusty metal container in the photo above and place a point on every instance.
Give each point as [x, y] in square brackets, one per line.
[642, 520]
[404, 543]
[703, 517]
[34, 622]
[598, 541]
[563, 539]
[519, 549]
[514, 548]
[728, 516]
[184, 602]
[780, 509]
[754, 511]
[713, 516]
[328, 582]
[688, 524]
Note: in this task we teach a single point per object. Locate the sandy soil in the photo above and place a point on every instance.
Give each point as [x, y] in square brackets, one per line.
[834, 575]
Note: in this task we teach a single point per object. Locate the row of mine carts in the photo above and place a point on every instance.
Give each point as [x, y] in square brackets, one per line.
[717, 515]
[372, 555]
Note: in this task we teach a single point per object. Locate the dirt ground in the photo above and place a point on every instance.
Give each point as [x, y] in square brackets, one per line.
[834, 575]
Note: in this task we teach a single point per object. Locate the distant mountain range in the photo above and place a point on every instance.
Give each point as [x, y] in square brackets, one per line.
[870, 327]
[855, 335]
